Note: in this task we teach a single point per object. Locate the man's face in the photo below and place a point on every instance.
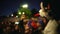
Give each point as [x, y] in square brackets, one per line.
[23, 16]
[42, 11]
[32, 18]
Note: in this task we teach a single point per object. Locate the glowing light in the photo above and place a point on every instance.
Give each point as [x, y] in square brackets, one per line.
[16, 22]
[23, 13]
[11, 14]
[16, 16]
[19, 13]
[25, 6]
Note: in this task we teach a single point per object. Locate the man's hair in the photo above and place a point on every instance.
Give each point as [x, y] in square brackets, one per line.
[55, 8]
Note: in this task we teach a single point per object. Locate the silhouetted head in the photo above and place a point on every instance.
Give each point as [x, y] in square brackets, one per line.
[50, 8]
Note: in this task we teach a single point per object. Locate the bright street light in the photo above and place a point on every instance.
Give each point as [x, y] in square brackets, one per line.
[17, 16]
[19, 13]
[23, 13]
[11, 14]
[25, 6]
[17, 23]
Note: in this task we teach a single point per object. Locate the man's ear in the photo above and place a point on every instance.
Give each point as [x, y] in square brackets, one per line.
[41, 5]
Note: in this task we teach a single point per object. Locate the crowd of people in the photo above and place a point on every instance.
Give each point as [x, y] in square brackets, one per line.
[33, 25]
[46, 23]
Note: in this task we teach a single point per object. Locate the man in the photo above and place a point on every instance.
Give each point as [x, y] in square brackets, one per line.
[51, 15]
[21, 24]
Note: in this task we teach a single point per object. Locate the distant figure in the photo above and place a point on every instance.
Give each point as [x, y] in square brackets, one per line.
[51, 27]
[21, 24]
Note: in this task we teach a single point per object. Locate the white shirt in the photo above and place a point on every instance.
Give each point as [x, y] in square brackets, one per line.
[51, 27]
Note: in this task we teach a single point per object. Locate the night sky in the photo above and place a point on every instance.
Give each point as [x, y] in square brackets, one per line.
[7, 7]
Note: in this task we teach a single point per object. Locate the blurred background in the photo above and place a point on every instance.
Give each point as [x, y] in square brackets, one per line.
[22, 16]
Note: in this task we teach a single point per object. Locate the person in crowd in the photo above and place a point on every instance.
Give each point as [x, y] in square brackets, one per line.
[26, 26]
[1, 28]
[7, 30]
[16, 31]
[51, 15]
[21, 23]
[33, 25]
